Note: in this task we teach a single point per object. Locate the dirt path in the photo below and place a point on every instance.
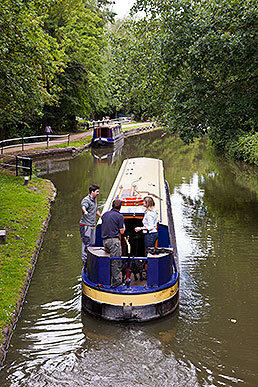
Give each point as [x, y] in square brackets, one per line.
[43, 144]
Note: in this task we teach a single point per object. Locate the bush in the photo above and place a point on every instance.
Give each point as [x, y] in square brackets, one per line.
[245, 148]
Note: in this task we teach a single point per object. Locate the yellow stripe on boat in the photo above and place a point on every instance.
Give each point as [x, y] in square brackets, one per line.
[130, 299]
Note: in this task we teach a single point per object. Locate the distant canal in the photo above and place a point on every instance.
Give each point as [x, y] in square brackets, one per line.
[212, 340]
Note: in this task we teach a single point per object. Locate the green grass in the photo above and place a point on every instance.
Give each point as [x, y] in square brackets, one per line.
[128, 126]
[23, 210]
[76, 144]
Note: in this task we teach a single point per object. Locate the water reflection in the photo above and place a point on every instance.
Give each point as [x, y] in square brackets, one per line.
[54, 164]
[106, 155]
[215, 211]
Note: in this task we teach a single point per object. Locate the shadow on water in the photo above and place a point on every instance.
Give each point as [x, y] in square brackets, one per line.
[212, 339]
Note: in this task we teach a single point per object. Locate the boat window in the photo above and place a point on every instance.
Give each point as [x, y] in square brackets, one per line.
[136, 239]
[104, 132]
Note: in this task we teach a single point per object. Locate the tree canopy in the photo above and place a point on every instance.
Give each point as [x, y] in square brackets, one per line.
[52, 62]
[28, 59]
[193, 65]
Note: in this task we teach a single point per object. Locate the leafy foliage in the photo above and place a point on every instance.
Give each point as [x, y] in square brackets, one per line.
[81, 38]
[28, 60]
[194, 65]
[52, 60]
[245, 148]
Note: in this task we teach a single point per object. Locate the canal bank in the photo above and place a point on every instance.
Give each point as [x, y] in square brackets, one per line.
[13, 286]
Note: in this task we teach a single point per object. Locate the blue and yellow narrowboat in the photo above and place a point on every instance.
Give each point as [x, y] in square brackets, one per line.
[154, 292]
[107, 135]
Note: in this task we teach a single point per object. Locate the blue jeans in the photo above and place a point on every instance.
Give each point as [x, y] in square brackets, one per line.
[150, 239]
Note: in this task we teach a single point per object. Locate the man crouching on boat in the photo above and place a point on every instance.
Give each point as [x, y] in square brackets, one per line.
[112, 227]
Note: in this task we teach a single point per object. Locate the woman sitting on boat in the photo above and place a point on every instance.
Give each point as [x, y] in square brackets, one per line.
[150, 222]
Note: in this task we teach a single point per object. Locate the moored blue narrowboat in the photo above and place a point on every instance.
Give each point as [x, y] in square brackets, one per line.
[154, 292]
[107, 135]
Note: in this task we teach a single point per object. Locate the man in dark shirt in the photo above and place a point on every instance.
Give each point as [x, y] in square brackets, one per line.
[112, 227]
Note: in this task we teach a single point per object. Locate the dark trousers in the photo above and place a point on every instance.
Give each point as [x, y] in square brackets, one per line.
[150, 239]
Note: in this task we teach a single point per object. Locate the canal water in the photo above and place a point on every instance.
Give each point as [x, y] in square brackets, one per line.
[212, 339]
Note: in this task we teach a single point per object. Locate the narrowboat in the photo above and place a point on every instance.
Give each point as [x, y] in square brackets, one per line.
[154, 292]
[107, 135]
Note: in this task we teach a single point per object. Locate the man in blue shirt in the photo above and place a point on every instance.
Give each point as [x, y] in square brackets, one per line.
[112, 227]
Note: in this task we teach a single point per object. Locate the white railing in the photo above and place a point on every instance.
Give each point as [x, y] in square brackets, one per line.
[22, 141]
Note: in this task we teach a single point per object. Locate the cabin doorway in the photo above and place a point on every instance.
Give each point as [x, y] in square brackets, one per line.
[136, 239]
[104, 132]
[138, 268]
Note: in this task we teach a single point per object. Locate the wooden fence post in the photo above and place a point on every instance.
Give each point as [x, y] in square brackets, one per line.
[16, 165]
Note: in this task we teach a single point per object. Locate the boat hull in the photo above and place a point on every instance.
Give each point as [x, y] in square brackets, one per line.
[137, 313]
[108, 142]
[137, 310]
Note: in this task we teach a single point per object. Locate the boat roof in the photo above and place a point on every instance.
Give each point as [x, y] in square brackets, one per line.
[137, 178]
[106, 125]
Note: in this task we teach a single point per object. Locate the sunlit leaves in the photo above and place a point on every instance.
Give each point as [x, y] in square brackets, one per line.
[28, 60]
[199, 71]
[80, 33]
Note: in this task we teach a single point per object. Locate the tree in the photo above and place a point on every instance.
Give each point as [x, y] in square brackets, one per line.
[28, 61]
[78, 26]
[52, 63]
[199, 71]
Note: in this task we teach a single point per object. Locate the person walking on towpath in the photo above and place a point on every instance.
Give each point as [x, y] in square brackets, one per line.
[112, 227]
[48, 130]
[88, 219]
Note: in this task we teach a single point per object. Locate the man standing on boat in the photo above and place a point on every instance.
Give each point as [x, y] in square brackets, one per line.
[88, 219]
[112, 227]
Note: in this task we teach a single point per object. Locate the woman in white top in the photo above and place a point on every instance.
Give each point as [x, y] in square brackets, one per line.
[150, 222]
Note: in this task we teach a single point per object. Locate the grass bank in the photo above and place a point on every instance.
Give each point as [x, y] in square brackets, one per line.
[77, 144]
[24, 210]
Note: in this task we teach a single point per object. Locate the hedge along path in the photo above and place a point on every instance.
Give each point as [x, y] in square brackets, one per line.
[24, 214]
